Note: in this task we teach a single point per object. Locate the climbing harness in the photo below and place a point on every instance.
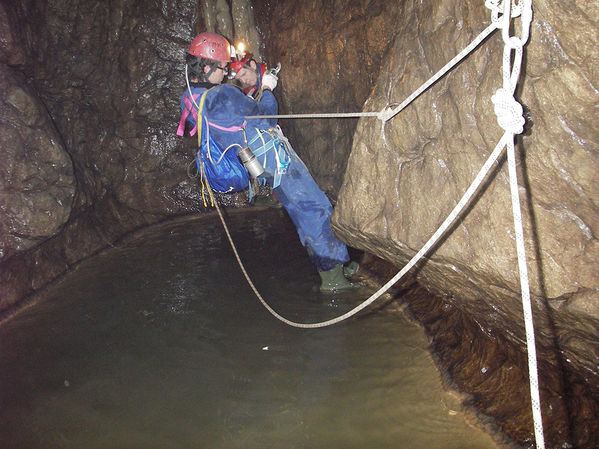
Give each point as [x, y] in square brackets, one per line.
[510, 119]
[274, 140]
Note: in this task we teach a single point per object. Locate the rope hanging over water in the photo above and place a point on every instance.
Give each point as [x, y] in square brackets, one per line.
[510, 119]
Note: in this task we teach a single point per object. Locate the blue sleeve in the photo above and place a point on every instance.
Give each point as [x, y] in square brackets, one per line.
[269, 104]
[228, 106]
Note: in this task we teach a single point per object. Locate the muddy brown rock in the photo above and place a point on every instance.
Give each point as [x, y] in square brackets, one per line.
[403, 181]
[331, 54]
[37, 184]
[431, 152]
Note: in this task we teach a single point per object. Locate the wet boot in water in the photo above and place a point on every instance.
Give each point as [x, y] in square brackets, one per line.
[351, 268]
[334, 280]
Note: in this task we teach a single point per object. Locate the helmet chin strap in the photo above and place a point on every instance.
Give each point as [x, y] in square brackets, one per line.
[256, 70]
[213, 67]
[235, 82]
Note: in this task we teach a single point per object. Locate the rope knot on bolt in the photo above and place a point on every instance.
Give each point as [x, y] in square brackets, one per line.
[508, 111]
[385, 114]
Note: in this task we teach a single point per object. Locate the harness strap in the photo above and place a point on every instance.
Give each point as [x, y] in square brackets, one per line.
[277, 142]
[231, 129]
[189, 109]
[203, 177]
[200, 115]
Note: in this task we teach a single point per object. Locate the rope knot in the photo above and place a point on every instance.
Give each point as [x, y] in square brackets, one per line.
[386, 114]
[508, 111]
[499, 7]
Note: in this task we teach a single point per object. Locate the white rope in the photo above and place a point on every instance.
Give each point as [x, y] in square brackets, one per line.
[319, 115]
[413, 261]
[509, 117]
[387, 114]
[526, 303]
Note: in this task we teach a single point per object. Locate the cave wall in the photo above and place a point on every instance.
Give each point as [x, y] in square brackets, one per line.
[401, 183]
[89, 109]
[37, 184]
[111, 84]
[331, 54]
[428, 155]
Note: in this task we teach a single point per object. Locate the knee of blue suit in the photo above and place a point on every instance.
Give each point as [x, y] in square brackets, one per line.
[308, 207]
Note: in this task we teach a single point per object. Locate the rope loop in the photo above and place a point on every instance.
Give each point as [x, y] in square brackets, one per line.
[511, 66]
[497, 7]
[494, 6]
[508, 111]
[502, 11]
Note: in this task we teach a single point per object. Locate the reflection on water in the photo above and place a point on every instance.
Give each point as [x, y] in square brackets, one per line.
[160, 343]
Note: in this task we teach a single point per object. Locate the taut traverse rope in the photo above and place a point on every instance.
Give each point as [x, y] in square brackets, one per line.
[509, 117]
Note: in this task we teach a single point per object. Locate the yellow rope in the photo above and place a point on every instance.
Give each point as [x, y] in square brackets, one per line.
[203, 178]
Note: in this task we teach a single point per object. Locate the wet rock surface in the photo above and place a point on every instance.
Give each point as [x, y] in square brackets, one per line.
[431, 152]
[37, 184]
[90, 94]
[331, 54]
[400, 184]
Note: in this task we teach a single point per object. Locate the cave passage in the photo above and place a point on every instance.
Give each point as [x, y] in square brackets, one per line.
[159, 342]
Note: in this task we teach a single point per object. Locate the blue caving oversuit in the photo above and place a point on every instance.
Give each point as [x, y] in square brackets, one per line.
[225, 109]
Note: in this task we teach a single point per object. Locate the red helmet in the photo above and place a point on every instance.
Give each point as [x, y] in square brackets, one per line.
[211, 46]
[238, 64]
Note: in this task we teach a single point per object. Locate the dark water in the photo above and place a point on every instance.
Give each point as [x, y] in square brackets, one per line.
[160, 343]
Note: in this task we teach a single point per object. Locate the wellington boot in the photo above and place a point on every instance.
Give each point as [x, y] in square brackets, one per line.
[351, 268]
[268, 201]
[334, 280]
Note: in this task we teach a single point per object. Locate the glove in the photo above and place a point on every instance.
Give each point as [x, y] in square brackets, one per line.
[269, 81]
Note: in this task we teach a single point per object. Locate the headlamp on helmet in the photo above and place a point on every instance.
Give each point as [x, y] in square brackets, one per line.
[239, 63]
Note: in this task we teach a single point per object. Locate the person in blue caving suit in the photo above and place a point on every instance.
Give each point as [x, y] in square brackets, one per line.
[224, 110]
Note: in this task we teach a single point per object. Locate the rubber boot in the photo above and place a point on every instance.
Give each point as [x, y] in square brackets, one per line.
[334, 280]
[268, 201]
[351, 268]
